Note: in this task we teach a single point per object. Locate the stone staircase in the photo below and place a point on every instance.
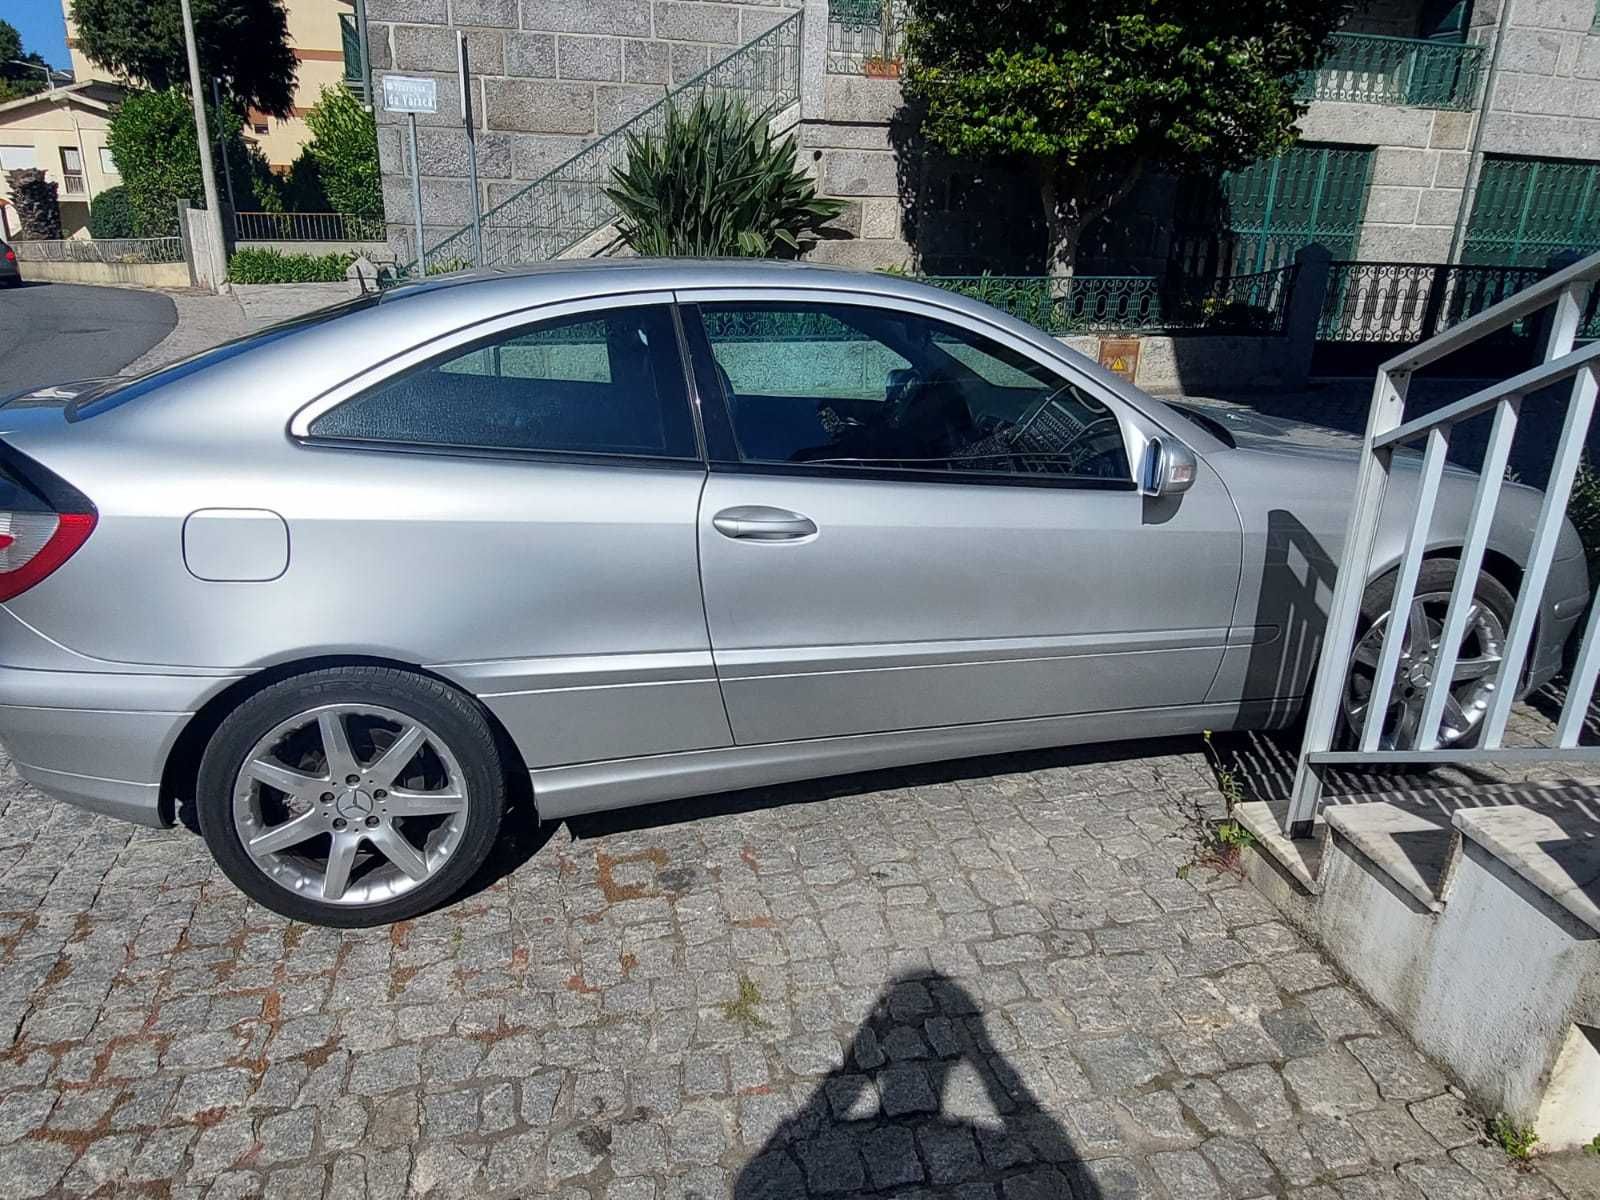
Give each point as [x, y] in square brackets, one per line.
[566, 213]
[1472, 917]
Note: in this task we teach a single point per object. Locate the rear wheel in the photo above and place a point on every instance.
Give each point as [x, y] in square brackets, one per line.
[352, 796]
[1472, 681]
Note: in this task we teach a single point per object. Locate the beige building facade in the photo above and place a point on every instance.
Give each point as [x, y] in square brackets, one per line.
[62, 133]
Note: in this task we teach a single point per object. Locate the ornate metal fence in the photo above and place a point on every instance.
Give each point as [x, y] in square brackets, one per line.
[568, 203]
[1248, 304]
[1407, 303]
[1372, 69]
[1526, 210]
[101, 250]
[306, 227]
[865, 36]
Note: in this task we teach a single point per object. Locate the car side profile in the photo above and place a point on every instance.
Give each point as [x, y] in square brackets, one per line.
[637, 530]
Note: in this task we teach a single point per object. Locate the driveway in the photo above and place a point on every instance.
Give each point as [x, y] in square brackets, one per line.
[988, 980]
[53, 332]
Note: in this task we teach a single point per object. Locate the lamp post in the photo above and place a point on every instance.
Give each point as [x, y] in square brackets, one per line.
[208, 174]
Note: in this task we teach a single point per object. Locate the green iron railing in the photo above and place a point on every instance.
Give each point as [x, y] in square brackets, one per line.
[1370, 68]
[350, 42]
[568, 203]
[865, 37]
[1255, 219]
[1248, 304]
[1527, 210]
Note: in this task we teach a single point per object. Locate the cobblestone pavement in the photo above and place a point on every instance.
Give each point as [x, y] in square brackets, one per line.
[984, 980]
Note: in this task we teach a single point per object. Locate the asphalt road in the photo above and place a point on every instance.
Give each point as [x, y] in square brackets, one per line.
[53, 332]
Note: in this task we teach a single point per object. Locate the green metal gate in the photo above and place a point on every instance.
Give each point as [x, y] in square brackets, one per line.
[1528, 209]
[1255, 219]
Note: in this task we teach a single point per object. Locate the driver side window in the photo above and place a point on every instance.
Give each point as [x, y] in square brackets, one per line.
[856, 387]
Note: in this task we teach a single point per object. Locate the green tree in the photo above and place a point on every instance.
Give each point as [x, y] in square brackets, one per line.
[1094, 92]
[715, 182]
[17, 80]
[111, 214]
[344, 148]
[152, 139]
[242, 43]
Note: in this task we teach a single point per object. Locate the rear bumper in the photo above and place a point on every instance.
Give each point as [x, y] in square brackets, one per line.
[99, 741]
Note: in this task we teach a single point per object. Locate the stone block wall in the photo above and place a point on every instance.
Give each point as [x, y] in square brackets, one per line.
[550, 76]
[1546, 100]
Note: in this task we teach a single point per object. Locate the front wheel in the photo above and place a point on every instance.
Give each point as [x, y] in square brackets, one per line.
[352, 796]
[1472, 682]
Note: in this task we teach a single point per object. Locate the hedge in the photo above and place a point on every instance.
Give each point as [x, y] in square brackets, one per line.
[273, 266]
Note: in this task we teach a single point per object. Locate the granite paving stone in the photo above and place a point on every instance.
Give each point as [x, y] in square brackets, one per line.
[981, 980]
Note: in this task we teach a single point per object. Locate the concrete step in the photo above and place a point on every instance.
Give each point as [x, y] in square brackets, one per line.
[1474, 922]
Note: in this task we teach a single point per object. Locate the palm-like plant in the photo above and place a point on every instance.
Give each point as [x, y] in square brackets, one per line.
[714, 182]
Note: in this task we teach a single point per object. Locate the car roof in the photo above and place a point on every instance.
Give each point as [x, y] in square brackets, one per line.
[577, 278]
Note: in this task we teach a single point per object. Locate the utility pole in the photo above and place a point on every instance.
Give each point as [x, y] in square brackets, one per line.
[208, 176]
[222, 148]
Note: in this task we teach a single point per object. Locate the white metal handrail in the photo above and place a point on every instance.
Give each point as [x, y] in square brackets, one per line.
[1387, 430]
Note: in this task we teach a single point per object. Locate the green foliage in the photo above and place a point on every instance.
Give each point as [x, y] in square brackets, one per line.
[242, 43]
[1583, 510]
[1094, 91]
[17, 80]
[152, 139]
[111, 214]
[714, 182]
[272, 266]
[344, 149]
[742, 1011]
[1516, 1140]
[1592, 1146]
[446, 265]
[33, 197]
[301, 190]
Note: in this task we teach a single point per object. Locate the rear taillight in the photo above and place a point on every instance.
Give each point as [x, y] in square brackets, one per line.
[43, 521]
[32, 545]
[11, 256]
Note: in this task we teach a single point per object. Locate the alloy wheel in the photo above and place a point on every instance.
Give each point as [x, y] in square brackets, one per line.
[1472, 682]
[350, 804]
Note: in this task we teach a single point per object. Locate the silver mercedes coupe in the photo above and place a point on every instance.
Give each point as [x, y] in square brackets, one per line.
[630, 531]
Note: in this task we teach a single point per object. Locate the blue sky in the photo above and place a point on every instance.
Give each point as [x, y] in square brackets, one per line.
[41, 26]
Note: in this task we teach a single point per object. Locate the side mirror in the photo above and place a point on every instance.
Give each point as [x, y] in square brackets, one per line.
[1169, 468]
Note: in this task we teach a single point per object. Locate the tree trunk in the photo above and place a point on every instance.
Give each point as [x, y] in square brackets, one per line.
[1062, 227]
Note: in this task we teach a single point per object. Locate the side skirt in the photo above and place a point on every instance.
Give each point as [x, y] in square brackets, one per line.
[618, 783]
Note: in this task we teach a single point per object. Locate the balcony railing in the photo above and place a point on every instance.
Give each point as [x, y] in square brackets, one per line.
[1367, 68]
[865, 37]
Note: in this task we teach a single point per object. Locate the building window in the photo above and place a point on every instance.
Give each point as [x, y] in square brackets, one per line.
[108, 164]
[18, 158]
[1256, 219]
[1527, 209]
[72, 183]
[259, 127]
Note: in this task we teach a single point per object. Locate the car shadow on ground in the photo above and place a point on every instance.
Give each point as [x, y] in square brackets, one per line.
[523, 835]
[925, 1097]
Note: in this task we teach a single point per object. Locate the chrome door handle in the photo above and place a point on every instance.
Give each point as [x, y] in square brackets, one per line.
[758, 523]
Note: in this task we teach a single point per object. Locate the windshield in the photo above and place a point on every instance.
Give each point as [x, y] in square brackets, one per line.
[116, 392]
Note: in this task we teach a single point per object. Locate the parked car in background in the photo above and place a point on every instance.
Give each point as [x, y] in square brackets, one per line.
[10, 272]
[635, 530]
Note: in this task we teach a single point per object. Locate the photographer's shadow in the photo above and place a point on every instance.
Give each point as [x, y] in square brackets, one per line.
[923, 1101]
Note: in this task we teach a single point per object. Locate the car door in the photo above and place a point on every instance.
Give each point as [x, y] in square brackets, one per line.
[913, 520]
[522, 496]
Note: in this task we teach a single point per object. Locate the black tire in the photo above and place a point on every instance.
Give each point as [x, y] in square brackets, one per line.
[1438, 575]
[454, 717]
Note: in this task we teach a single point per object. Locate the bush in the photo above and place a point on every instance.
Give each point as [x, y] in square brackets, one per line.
[152, 139]
[34, 198]
[714, 182]
[272, 266]
[111, 214]
[344, 149]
